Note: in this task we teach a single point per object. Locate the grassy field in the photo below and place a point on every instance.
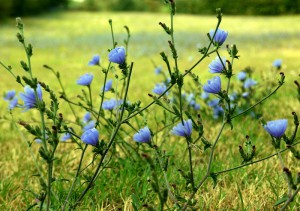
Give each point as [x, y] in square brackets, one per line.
[67, 41]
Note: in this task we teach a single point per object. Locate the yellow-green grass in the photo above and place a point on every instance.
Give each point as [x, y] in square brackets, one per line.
[67, 41]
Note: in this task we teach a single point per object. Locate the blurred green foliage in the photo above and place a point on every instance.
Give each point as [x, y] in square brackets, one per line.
[29, 7]
[238, 7]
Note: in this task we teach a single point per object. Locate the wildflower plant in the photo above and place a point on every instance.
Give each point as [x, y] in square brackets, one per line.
[114, 129]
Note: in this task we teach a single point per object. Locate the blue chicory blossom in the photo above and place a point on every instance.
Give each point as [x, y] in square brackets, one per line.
[218, 111]
[217, 66]
[143, 135]
[220, 36]
[196, 106]
[184, 130]
[87, 117]
[66, 137]
[249, 82]
[241, 76]
[277, 63]
[95, 60]
[276, 128]
[109, 104]
[89, 125]
[159, 88]
[117, 55]
[9, 95]
[90, 136]
[29, 98]
[107, 85]
[213, 85]
[13, 103]
[213, 102]
[158, 70]
[85, 80]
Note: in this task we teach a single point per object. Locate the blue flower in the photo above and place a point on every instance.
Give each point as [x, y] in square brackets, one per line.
[29, 98]
[276, 128]
[9, 95]
[159, 88]
[242, 76]
[277, 63]
[117, 55]
[220, 36]
[13, 103]
[66, 137]
[89, 125]
[218, 111]
[143, 135]
[249, 82]
[217, 66]
[85, 80]
[184, 130]
[90, 136]
[109, 104]
[107, 85]
[95, 60]
[196, 106]
[213, 86]
[86, 117]
[158, 70]
[213, 102]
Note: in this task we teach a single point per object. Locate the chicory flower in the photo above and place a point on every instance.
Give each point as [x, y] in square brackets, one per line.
[85, 80]
[184, 130]
[159, 88]
[117, 55]
[276, 128]
[213, 85]
[29, 97]
[143, 135]
[90, 136]
[220, 36]
[217, 66]
[95, 60]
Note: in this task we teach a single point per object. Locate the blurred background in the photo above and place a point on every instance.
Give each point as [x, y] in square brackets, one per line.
[12, 8]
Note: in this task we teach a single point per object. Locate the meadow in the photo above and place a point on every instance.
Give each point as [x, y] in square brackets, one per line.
[67, 41]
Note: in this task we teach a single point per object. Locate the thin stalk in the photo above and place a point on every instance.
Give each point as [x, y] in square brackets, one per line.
[286, 176]
[173, 198]
[253, 162]
[208, 171]
[91, 99]
[263, 99]
[102, 95]
[63, 89]
[188, 142]
[290, 199]
[11, 72]
[75, 179]
[120, 122]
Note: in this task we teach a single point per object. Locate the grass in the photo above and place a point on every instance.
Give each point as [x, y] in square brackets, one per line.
[67, 41]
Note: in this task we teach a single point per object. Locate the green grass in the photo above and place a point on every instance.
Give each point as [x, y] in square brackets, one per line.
[67, 41]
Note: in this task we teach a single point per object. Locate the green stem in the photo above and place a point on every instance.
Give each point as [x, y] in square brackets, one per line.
[188, 142]
[290, 199]
[253, 162]
[208, 171]
[91, 99]
[109, 144]
[251, 107]
[11, 72]
[75, 179]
